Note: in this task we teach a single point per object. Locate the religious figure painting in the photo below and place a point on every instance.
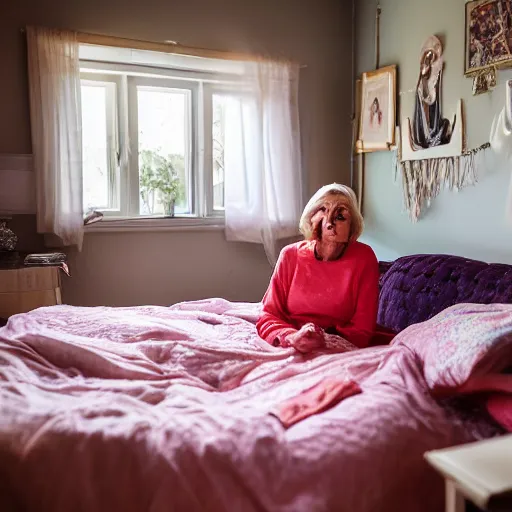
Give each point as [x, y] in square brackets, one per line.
[377, 110]
[488, 34]
[430, 128]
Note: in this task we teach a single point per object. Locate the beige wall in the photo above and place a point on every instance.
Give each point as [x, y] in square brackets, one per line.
[470, 223]
[134, 268]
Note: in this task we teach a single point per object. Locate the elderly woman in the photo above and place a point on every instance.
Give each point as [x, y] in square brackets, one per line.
[327, 283]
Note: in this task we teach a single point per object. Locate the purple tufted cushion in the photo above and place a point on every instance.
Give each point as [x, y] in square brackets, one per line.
[415, 288]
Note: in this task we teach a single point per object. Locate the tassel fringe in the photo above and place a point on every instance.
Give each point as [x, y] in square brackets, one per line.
[422, 180]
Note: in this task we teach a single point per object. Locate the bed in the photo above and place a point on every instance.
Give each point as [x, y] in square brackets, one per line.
[173, 409]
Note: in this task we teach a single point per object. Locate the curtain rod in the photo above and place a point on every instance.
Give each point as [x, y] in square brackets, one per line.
[162, 47]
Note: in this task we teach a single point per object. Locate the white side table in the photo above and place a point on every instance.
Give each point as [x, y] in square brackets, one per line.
[480, 473]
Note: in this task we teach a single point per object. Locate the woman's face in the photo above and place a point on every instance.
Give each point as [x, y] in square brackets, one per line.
[331, 222]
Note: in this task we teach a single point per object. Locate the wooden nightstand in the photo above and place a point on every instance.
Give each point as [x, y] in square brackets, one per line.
[477, 473]
[25, 288]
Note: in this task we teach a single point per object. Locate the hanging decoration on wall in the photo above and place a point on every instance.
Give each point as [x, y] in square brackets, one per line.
[422, 180]
[432, 151]
[430, 129]
[488, 41]
[430, 135]
[375, 104]
[377, 111]
[484, 81]
[501, 138]
[374, 111]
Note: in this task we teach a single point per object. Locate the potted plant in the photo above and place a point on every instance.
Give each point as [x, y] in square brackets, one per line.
[167, 183]
[160, 180]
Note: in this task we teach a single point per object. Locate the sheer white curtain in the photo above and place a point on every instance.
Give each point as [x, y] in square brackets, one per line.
[263, 178]
[54, 86]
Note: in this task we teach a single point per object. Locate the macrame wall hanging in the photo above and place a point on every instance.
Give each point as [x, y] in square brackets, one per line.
[422, 180]
[431, 153]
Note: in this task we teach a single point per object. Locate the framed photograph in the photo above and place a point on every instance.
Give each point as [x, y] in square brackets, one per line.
[377, 113]
[488, 35]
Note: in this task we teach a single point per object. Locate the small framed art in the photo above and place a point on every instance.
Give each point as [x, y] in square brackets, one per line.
[377, 111]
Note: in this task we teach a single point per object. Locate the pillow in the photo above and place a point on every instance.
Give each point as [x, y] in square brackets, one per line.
[499, 406]
[461, 342]
[498, 399]
[501, 382]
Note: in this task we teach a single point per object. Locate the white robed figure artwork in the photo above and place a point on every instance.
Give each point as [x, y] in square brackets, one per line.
[501, 139]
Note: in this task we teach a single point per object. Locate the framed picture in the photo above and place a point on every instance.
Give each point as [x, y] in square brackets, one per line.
[488, 35]
[377, 112]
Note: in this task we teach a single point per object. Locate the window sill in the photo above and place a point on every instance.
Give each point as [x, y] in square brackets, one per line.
[113, 224]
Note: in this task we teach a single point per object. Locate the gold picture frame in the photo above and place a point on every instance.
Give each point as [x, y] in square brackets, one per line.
[377, 110]
[488, 35]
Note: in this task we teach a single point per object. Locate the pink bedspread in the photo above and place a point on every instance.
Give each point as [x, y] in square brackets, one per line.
[168, 409]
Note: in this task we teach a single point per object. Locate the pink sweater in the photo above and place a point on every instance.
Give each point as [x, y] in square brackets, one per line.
[341, 295]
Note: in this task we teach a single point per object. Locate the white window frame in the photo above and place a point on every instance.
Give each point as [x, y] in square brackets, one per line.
[191, 151]
[202, 87]
[111, 85]
[210, 90]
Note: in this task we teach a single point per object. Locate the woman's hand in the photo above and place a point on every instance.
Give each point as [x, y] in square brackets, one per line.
[308, 338]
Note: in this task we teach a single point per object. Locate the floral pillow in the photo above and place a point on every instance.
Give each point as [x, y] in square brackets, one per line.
[461, 342]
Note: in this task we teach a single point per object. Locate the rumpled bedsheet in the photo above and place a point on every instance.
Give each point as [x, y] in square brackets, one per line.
[170, 409]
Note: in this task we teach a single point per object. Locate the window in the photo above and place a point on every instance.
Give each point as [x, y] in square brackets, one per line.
[154, 139]
[164, 140]
[99, 144]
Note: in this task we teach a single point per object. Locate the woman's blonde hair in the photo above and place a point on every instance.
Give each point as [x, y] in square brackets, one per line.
[357, 223]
